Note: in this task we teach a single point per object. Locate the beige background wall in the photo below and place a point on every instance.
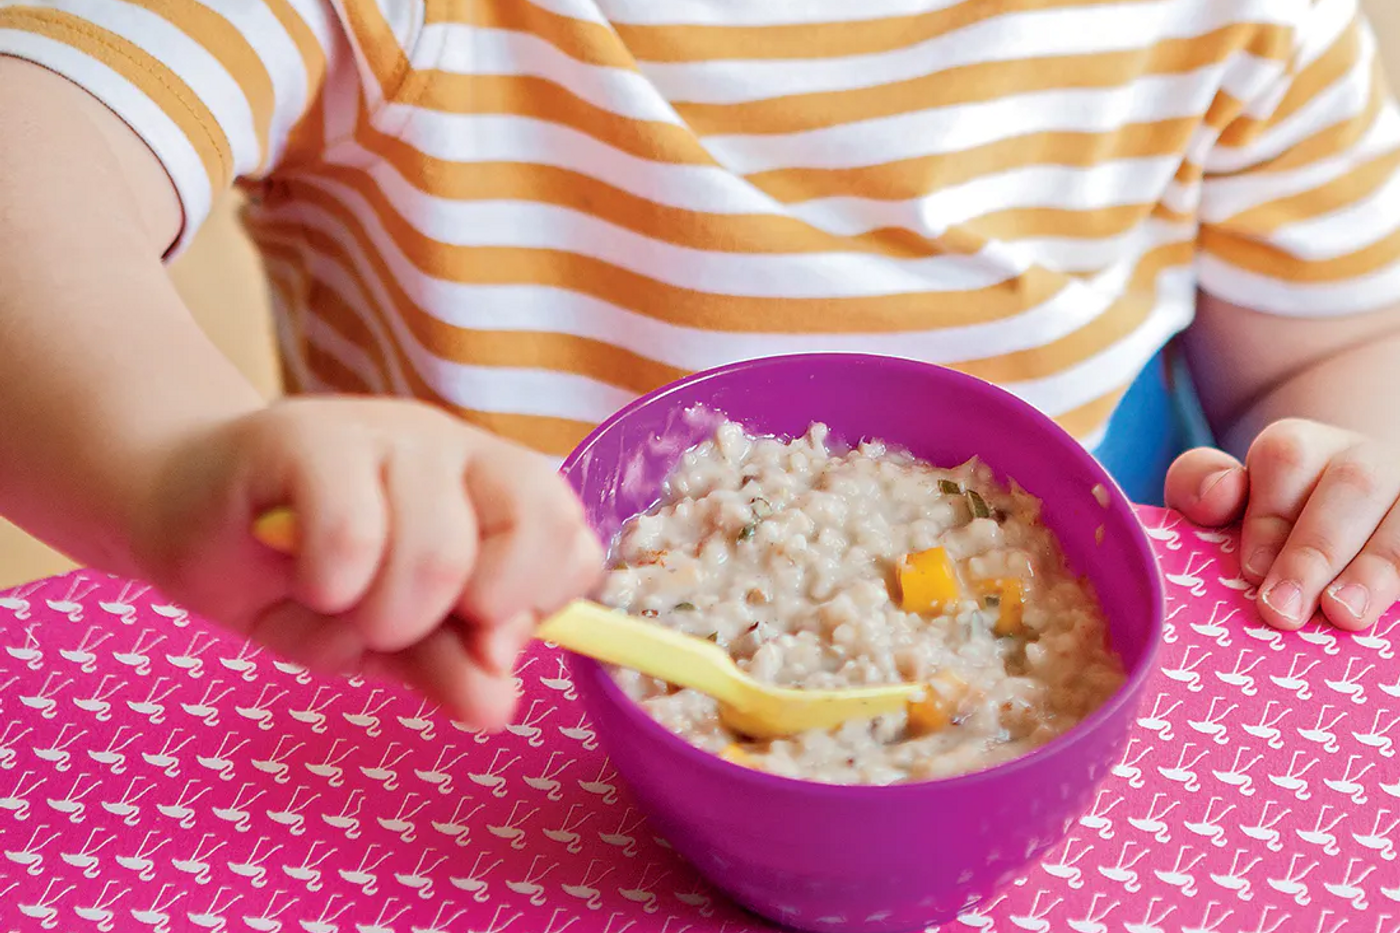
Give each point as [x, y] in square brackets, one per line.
[219, 278]
[1386, 15]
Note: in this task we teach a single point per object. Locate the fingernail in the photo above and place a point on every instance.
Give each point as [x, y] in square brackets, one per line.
[502, 648]
[1210, 482]
[1260, 561]
[1286, 598]
[1354, 597]
[503, 645]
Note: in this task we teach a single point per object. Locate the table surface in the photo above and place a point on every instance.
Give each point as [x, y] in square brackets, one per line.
[156, 775]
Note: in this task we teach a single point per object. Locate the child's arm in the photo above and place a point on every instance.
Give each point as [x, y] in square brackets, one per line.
[104, 369]
[429, 548]
[1255, 369]
[1296, 342]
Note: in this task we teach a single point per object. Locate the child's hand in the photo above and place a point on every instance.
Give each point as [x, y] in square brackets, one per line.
[429, 549]
[1321, 522]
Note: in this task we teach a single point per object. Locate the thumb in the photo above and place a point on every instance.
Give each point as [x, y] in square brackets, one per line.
[1208, 486]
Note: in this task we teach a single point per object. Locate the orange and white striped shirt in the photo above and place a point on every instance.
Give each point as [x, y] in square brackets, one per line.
[531, 211]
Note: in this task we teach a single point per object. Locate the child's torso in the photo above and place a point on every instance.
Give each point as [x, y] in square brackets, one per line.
[535, 211]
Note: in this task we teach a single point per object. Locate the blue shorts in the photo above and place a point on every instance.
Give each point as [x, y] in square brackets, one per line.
[1158, 419]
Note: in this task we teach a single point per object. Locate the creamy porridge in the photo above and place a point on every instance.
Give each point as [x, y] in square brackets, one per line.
[817, 567]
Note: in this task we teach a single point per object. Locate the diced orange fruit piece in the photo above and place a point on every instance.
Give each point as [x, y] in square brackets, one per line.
[1011, 619]
[1010, 593]
[927, 581]
[735, 755]
[938, 707]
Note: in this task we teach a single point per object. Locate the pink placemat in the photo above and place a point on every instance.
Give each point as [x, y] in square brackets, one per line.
[155, 775]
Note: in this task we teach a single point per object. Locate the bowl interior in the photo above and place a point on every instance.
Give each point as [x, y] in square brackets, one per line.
[937, 414]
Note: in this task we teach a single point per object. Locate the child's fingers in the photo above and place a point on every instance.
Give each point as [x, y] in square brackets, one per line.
[495, 647]
[321, 643]
[1208, 486]
[432, 543]
[1345, 509]
[342, 525]
[536, 551]
[1370, 584]
[440, 667]
[1284, 463]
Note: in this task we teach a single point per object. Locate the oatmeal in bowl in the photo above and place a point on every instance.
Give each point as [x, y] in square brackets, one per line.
[820, 566]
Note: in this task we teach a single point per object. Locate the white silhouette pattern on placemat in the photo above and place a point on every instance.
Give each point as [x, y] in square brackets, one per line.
[158, 776]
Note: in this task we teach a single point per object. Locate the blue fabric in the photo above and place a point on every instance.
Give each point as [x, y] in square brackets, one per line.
[1159, 418]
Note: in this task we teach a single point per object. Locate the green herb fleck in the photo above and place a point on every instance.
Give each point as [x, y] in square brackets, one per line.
[747, 531]
[949, 488]
[685, 607]
[713, 636]
[979, 505]
[762, 508]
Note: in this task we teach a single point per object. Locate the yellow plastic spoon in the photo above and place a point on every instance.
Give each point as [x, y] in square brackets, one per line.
[748, 707]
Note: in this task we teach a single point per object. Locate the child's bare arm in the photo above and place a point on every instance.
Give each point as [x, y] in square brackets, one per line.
[429, 549]
[1296, 341]
[103, 366]
[1254, 369]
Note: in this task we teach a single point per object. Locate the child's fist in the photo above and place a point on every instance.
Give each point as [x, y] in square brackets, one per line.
[428, 549]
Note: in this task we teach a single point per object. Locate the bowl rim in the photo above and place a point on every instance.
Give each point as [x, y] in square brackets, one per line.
[1111, 710]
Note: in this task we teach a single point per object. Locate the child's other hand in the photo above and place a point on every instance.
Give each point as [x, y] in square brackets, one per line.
[429, 549]
[1321, 521]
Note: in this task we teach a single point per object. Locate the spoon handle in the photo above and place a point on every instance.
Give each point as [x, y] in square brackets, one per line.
[617, 638]
[592, 630]
[277, 528]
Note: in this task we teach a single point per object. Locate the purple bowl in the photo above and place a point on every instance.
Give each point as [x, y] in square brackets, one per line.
[871, 859]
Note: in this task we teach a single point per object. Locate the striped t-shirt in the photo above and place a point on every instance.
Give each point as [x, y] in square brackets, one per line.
[531, 211]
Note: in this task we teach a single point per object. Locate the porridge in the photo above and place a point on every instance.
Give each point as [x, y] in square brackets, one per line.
[820, 567]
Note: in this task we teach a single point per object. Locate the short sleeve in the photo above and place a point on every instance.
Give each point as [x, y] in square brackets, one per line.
[214, 87]
[1300, 197]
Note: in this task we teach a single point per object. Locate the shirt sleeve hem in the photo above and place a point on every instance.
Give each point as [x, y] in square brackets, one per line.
[118, 85]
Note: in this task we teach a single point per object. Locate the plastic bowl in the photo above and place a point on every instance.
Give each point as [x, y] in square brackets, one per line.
[890, 859]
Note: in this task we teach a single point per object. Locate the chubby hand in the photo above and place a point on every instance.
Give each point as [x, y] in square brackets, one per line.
[1321, 524]
[428, 549]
